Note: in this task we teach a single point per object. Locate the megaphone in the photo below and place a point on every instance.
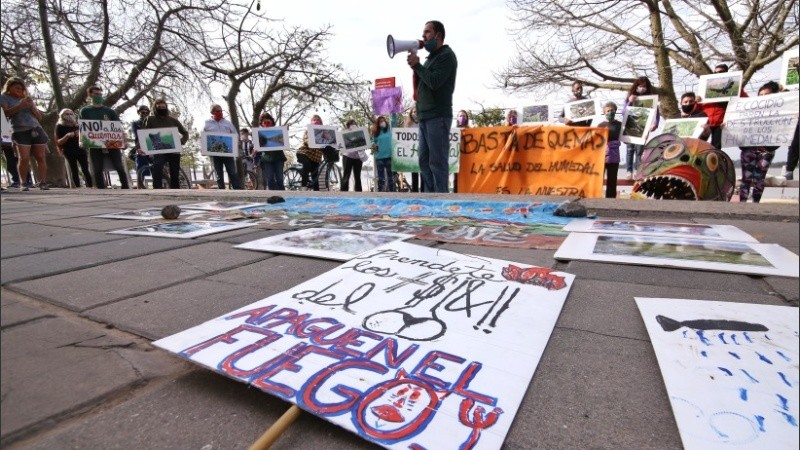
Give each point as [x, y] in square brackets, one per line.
[394, 47]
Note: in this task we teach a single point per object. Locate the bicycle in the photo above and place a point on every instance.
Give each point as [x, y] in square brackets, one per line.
[328, 175]
[251, 178]
[292, 177]
[183, 180]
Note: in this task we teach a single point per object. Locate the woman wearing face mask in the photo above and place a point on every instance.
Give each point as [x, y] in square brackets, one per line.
[310, 158]
[382, 148]
[612, 147]
[511, 118]
[271, 162]
[67, 145]
[352, 162]
[633, 157]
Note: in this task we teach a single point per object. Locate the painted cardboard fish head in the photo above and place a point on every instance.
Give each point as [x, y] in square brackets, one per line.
[675, 168]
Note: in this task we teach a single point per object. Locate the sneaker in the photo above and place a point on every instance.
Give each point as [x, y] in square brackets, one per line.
[13, 186]
[43, 186]
[630, 176]
[25, 188]
[29, 185]
[788, 175]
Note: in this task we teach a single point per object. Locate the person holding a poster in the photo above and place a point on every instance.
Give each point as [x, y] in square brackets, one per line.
[434, 83]
[310, 158]
[67, 137]
[26, 132]
[382, 148]
[217, 123]
[716, 111]
[162, 119]
[633, 157]
[612, 147]
[142, 159]
[690, 110]
[271, 162]
[577, 94]
[511, 118]
[97, 111]
[352, 163]
[756, 160]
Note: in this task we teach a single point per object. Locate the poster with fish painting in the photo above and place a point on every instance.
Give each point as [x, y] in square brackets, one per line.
[719, 87]
[340, 245]
[730, 370]
[407, 346]
[650, 228]
[219, 144]
[269, 139]
[182, 229]
[682, 253]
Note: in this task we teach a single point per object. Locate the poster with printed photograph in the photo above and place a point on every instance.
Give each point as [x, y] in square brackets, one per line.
[219, 144]
[689, 127]
[535, 114]
[434, 369]
[645, 101]
[182, 229]
[720, 87]
[648, 228]
[730, 370]
[636, 124]
[139, 214]
[790, 65]
[271, 139]
[321, 136]
[581, 110]
[101, 134]
[155, 141]
[221, 205]
[355, 139]
[340, 245]
[682, 253]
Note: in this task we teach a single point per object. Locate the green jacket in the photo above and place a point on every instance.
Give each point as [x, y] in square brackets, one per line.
[436, 81]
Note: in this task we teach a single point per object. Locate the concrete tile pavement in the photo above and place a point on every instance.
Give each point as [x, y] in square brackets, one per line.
[80, 373]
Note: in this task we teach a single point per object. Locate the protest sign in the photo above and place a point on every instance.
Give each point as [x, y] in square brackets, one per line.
[387, 100]
[405, 142]
[155, 141]
[101, 134]
[381, 83]
[5, 127]
[764, 120]
[537, 160]
[444, 365]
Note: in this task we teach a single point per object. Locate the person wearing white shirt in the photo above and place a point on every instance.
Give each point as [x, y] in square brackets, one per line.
[218, 124]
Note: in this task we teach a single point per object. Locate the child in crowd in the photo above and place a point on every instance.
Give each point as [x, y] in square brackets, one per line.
[612, 148]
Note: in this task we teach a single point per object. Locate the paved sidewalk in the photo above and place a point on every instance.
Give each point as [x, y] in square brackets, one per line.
[80, 308]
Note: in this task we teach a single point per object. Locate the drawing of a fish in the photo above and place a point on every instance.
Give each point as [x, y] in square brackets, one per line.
[668, 324]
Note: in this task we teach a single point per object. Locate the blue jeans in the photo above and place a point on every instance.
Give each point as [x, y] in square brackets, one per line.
[273, 175]
[385, 179]
[230, 166]
[633, 157]
[434, 151]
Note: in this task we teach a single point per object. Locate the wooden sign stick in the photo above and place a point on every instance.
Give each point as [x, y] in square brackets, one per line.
[276, 430]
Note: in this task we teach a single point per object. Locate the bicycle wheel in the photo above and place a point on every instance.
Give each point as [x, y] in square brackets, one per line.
[292, 180]
[333, 178]
[140, 174]
[250, 181]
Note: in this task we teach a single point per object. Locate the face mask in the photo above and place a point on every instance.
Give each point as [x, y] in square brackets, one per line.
[245, 137]
[610, 116]
[161, 111]
[687, 108]
[97, 99]
[577, 93]
[461, 121]
[217, 115]
[512, 120]
[431, 44]
[267, 123]
[641, 90]
[383, 125]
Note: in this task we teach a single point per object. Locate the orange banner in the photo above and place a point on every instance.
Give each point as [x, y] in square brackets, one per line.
[537, 160]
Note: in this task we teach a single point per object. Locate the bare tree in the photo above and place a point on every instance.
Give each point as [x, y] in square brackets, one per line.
[608, 43]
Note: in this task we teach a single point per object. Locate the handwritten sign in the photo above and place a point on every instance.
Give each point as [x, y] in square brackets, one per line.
[405, 153]
[537, 160]
[381, 83]
[102, 134]
[763, 120]
[444, 365]
[387, 100]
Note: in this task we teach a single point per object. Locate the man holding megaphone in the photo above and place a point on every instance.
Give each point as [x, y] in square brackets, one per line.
[434, 83]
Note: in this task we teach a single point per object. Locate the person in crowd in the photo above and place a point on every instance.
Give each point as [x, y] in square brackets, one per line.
[26, 131]
[382, 150]
[462, 121]
[577, 94]
[715, 111]
[511, 118]
[352, 162]
[792, 156]
[162, 119]
[219, 124]
[633, 157]
[67, 137]
[689, 109]
[271, 162]
[434, 83]
[612, 147]
[97, 111]
[310, 158]
[412, 122]
[142, 159]
[250, 159]
[11, 165]
[756, 160]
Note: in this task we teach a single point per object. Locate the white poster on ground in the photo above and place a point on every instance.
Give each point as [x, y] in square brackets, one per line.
[730, 370]
[406, 346]
[648, 228]
[768, 120]
[340, 245]
[682, 253]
